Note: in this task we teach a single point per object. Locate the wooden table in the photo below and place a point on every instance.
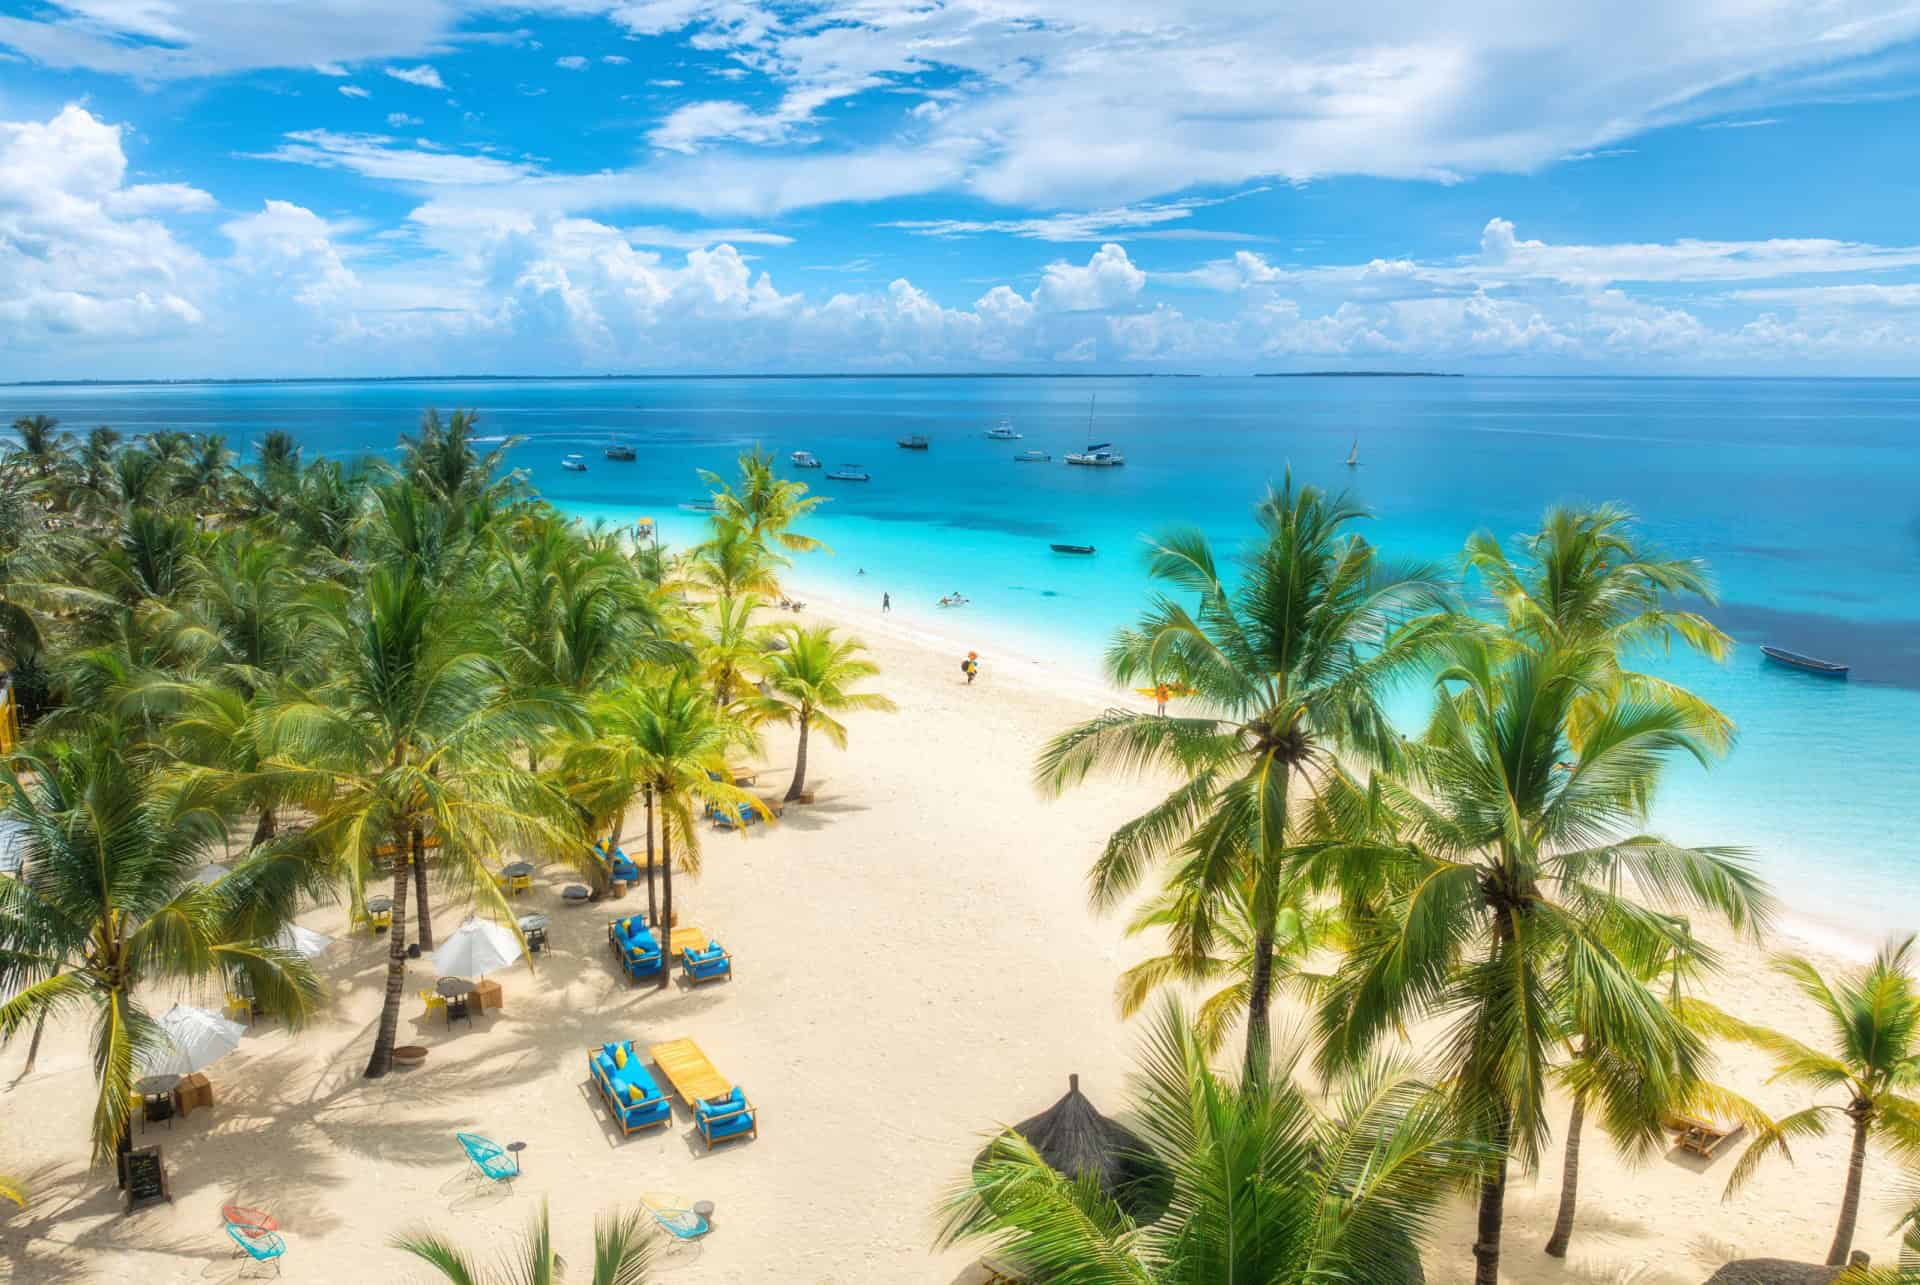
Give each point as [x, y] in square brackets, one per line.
[691, 937]
[487, 995]
[688, 1070]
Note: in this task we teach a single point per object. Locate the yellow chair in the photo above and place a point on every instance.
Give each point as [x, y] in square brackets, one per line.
[239, 1008]
[379, 921]
[520, 883]
[433, 1000]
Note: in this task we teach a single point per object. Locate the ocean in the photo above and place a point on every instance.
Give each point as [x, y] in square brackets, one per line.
[1803, 495]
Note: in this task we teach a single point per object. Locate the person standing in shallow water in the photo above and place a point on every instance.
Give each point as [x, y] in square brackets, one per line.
[971, 666]
[886, 602]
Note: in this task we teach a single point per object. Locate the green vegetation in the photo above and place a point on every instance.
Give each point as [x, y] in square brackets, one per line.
[622, 1254]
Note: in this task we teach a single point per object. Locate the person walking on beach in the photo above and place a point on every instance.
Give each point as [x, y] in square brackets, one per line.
[971, 666]
[1161, 696]
[886, 603]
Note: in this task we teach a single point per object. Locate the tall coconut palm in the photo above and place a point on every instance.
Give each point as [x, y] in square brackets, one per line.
[660, 737]
[410, 735]
[1873, 1017]
[106, 906]
[42, 446]
[442, 460]
[1587, 577]
[809, 682]
[732, 646]
[766, 506]
[1264, 1187]
[1287, 668]
[732, 563]
[622, 1253]
[1504, 910]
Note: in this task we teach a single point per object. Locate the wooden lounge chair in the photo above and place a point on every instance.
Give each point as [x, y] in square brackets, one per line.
[689, 1072]
[1702, 1137]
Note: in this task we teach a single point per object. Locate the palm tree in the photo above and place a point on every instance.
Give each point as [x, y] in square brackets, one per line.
[1264, 1188]
[810, 681]
[442, 461]
[1301, 929]
[659, 737]
[1874, 1018]
[766, 506]
[1503, 909]
[409, 735]
[622, 1253]
[731, 646]
[1585, 576]
[106, 905]
[732, 563]
[42, 445]
[14, 1190]
[1288, 669]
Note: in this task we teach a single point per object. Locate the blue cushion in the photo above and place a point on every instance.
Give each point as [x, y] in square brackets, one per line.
[733, 1100]
[741, 1123]
[607, 1050]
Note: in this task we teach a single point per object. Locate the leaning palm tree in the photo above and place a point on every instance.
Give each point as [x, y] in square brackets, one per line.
[1586, 576]
[810, 681]
[622, 1253]
[1874, 1020]
[661, 738]
[1287, 668]
[106, 907]
[1264, 1187]
[410, 736]
[766, 506]
[1504, 911]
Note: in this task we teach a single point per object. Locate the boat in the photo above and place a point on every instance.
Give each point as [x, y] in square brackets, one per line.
[804, 459]
[621, 451]
[1353, 454]
[915, 442]
[1003, 432]
[1097, 454]
[1071, 548]
[574, 462]
[1812, 664]
[849, 473]
[701, 506]
[1033, 457]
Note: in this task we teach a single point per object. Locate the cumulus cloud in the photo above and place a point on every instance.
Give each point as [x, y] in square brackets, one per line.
[615, 60]
[423, 75]
[1106, 280]
[572, 62]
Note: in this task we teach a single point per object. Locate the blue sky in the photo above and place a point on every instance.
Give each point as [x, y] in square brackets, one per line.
[345, 187]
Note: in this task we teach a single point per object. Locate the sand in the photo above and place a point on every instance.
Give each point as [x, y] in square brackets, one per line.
[916, 963]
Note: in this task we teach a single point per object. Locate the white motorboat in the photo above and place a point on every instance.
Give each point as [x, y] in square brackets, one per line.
[849, 473]
[1003, 432]
[804, 459]
[574, 462]
[1033, 457]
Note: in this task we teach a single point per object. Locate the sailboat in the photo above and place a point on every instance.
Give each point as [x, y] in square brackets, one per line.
[1097, 454]
[1353, 454]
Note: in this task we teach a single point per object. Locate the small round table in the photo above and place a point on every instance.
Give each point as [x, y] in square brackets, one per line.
[704, 1210]
[453, 987]
[516, 1148]
[576, 893]
[380, 905]
[532, 922]
[518, 870]
[157, 1086]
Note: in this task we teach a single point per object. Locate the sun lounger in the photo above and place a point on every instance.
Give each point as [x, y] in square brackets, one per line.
[738, 817]
[708, 964]
[681, 1224]
[635, 948]
[490, 1159]
[615, 866]
[688, 1071]
[726, 1118]
[1702, 1137]
[632, 1096]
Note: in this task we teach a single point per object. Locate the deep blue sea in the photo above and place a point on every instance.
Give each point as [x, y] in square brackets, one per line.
[1804, 495]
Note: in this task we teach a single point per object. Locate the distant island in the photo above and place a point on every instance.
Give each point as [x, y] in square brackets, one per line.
[1358, 374]
[580, 379]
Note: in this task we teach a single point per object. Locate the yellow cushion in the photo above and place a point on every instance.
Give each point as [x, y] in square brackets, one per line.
[633, 1094]
[626, 926]
[620, 1056]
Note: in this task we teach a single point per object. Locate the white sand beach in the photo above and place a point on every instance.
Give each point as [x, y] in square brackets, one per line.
[915, 962]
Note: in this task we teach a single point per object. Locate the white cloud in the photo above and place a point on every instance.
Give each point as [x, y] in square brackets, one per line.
[158, 198]
[330, 69]
[572, 62]
[1107, 280]
[378, 156]
[354, 91]
[398, 120]
[666, 84]
[1741, 124]
[1098, 225]
[423, 75]
[702, 238]
[615, 60]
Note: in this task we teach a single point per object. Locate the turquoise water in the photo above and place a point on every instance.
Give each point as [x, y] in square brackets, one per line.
[1803, 494]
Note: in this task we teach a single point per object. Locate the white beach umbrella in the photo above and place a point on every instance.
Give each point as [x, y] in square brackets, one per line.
[211, 873]
[475, 949]
[196, 1039]
[13, 841]
[304, 942]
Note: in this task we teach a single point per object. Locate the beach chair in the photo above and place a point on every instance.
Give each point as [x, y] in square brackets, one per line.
[681, 1224]
[518, 884]
[635, 948]
[490, 1160]
[615, 864]
[433, 1000]
[238, 1008]
[726, 1118]
[251, 1219]
[738, 817]
[257, 1243]
[632, 1096]
[707, 965]
[1702, 1137]
[379, 921]
[688, 1071]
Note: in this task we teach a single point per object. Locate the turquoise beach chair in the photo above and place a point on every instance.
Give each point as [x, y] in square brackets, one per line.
[725, 1118]
[706, 965]
[257, 1243]
[637, 950]
[681, 1224]
[489, 1158]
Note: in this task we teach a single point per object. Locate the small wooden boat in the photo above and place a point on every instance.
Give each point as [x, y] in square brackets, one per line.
[1072, 548]
[914, 442]
[1811, 664]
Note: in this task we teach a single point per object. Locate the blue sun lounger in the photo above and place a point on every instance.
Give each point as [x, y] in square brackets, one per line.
[635, 948]
[489, 1158]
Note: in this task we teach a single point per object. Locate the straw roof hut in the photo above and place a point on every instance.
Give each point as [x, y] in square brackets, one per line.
[1772, 1271]
[1075, 1139]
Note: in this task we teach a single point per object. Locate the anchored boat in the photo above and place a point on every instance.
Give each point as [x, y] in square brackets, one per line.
[1097, 454]
[621, 451]
[804, 459]
[1072, 548]
[1353, 454]
[574, 462]
[1811, 664]
[1032, 457]
[849, 473]
[914, 442]
[1003, 432]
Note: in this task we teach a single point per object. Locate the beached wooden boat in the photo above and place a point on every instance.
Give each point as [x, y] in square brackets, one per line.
[1072, 548]
[1812, 664]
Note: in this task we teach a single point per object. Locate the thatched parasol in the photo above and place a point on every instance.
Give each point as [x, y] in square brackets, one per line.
[1075, 1139]
[1772, 1271]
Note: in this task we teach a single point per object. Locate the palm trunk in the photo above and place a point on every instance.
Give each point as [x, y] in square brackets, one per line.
[800, 762]
[1850, 1202]
[1493, 1204]
[1260, 1005]
[1569, 1180]
[268, 827]
[665, 922]
[33, 1046]
[653, 906]
[420, 890]
[382, 1060]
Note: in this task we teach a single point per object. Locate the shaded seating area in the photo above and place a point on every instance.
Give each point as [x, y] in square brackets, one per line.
[635, 948]
[490, 1160]
[1702, 1137]
[614, 864]
[725, 1118]
[1076, 1140]
[707, 963]
[737, 817]
[632, 1096]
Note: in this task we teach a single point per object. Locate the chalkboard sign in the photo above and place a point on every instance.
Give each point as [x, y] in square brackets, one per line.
[146, 1178]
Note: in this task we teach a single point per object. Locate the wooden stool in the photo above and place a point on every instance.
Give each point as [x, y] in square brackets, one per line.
[489, 995]
[193, 1091]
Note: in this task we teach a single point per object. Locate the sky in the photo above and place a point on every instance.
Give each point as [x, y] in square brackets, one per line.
[232, 188]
